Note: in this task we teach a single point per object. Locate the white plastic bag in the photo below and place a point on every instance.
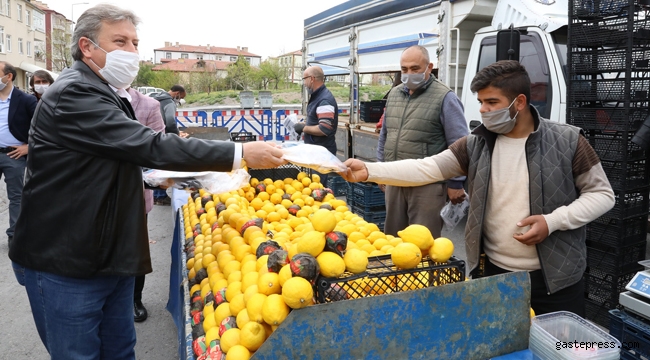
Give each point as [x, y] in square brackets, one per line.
[452, 214]
[289, 124]
[212, 181]
[314, 157]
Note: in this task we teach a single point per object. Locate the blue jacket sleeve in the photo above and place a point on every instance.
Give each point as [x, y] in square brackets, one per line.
[455, 125]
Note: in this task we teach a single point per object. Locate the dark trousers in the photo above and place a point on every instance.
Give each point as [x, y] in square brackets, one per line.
[571, 298]
[139, 282]
[14, 174]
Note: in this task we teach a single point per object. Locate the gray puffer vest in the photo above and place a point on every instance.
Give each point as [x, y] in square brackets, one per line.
[549, 154]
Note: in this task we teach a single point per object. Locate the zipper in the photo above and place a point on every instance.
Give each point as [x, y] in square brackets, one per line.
[399, 131]
[487, 186]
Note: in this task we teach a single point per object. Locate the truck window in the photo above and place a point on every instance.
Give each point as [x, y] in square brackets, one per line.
[531, 56]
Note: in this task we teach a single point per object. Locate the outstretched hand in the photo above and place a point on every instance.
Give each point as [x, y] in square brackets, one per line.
[537, 233]
[356, 171]
[262, 155]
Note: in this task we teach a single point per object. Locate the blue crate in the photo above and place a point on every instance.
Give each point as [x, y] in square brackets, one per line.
[370, 216]
[338, 185]
[630, 330]
[367, 194]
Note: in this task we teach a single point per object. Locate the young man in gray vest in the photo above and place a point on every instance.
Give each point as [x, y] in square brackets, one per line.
[533, 184]
[422, 118]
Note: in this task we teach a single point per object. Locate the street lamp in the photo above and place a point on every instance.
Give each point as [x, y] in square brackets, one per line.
[72, 10]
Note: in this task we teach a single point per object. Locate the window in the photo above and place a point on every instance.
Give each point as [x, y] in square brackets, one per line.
[168, 55]
[2, 39]
[20, 45]
[219, 58]
[29, 48]
[200, 57]
[184, 56]
[233, 58]
[8, 7]
[28, 17]
[532, 56]
[8, 42]
[19, 7]
[248, 60]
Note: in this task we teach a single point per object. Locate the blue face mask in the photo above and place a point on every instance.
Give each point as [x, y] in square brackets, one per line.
[413, 81]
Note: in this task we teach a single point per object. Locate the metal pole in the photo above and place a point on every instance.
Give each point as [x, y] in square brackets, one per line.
[72, 10]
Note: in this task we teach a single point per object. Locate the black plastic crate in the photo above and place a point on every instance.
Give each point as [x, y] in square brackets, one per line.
[626, 174]
[629, 203]
[618, 89]
[615, 259]
[611, 32]
[371, 111]
[614, 145]
[623, 118]
[338, 185]
[617, 232]
[382, 277]
[603, 287]
[593, 9]
[592, 61]
[633, 332]
[279, 173]
[366, 194]
[598, 312]
[242, 136]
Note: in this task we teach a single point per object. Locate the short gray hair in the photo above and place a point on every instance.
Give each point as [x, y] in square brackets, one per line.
[91, 21]
[422, 49]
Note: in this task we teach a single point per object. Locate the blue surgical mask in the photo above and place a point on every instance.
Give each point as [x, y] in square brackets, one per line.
[413, 81]
[499, 121]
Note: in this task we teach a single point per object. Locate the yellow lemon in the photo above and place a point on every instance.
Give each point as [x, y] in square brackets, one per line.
[312, 243]
[209, 322]
[297, 293]
[229, 339]
[221, 312]
[418, 235]
[274, 310]
[285, 274]
[355, 261]
[331, 265]
[254, 307]
[233, 290]
[242, 318]
[323, 220]
[441, 250]
[269, 283]
[252, 335]
[211, 335]
[406, 255]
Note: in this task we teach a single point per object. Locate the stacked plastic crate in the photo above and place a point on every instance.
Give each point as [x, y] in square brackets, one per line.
[609, 79]
[367, 200]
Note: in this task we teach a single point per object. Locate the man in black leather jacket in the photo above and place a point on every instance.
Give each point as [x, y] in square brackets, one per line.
[81, 235]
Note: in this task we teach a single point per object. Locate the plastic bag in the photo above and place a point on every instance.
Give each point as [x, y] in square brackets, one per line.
[289, 124]
[212, 181]
[314, 157]
[452, 214]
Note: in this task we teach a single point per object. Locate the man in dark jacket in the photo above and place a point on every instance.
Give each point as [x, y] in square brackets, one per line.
[81, 236]
[169, 101]
[16, 111]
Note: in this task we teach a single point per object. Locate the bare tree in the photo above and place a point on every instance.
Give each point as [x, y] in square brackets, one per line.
[204, 79]
[59, 51]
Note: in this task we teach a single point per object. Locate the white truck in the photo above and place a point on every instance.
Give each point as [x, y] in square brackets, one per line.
[368, 36]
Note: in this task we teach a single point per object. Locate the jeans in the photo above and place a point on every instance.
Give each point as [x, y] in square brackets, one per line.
[14, 173]
[82, 318]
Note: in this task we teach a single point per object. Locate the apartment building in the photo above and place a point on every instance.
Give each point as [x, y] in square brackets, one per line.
[173, 52]
[22, 38]
[58, 30]
[293, 63]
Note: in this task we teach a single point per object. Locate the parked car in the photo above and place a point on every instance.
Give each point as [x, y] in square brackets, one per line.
[146, 90]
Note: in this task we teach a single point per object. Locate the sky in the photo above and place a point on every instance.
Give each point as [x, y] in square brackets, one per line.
[266, 27]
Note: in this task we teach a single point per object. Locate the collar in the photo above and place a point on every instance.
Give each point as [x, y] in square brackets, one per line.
[10, 92]
[121, 92]
[318, 90]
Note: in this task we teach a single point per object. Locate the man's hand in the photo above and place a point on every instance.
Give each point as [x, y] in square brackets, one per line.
[262, 155]
[356, 171]
[456, 196]
[183, 134]
[538, 230]
[18, 152]
[299, 127]
[382, 187]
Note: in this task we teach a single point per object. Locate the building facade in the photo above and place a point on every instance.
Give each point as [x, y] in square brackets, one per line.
[293, 63]
[22, 38]
[171, 52]
[58, 30]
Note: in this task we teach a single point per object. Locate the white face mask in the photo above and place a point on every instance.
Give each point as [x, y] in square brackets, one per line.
[413, 81]
[181, 102]
[40, 88]
[499, 121]
[2, 84]
[121, 67]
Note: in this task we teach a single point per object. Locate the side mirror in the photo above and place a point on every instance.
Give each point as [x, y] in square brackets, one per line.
[508, 44]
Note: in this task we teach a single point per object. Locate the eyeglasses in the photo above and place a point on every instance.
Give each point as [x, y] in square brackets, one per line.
[307, 77]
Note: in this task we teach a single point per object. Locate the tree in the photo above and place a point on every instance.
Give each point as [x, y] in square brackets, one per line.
[272, 72]
[204, 79]
[59, 51]
[145, 75]
[240, 74]
[164, 79]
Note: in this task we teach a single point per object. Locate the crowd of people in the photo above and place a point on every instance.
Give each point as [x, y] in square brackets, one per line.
[81, 142]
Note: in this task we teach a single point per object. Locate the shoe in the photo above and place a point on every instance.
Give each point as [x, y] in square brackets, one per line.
[139, 312]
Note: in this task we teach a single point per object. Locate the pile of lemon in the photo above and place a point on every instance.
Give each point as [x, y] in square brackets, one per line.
[260, 300]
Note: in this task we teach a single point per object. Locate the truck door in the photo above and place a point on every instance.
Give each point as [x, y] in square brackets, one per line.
[534, 58]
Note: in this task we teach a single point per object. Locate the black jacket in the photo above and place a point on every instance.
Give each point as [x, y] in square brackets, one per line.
[21, 110]
[82, 211]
